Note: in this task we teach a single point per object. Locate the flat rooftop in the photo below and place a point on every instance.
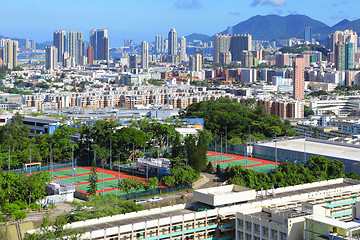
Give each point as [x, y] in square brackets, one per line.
[133, 220]
[317, 148]
[306, 190]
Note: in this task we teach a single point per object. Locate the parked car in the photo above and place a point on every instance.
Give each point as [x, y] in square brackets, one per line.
[154, 199]
[139, 201]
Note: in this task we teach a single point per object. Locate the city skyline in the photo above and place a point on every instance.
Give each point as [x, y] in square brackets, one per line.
[186, 16]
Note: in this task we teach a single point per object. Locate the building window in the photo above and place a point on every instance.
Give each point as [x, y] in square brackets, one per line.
[257, 228]
[274, 234]
[241, 222]
[248, 225]
[265, 231]
[283, 236]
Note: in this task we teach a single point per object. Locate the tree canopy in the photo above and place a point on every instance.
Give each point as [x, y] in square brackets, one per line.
[287, 174]
[238, 120]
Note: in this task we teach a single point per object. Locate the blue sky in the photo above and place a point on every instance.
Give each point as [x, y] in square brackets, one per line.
[143, 19]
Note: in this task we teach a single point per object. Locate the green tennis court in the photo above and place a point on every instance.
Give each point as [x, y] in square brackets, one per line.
[263, 168]
[235, 163]
[68, 172]
[107, 184]
[85, 178]
[120, 193]
[218, 158]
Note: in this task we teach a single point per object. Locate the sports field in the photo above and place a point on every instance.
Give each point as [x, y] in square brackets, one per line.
[226, 160]
[110, 178]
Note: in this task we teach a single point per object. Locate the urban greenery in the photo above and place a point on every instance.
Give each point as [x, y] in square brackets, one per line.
[317, 168]
[101, 206]
[50, 230]
[238, 120]
[19, 192]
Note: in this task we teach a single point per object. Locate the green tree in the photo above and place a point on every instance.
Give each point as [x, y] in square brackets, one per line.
[93, 179]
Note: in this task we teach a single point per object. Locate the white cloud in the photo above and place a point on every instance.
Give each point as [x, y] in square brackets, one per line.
[271, 2]
[187, 4]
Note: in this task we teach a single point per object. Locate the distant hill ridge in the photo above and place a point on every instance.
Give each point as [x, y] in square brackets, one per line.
[272, 27]
[269, 27]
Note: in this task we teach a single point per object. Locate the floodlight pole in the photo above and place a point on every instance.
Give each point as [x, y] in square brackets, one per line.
[110, 155]
[133, 159]
[275, 151]
[51, 162]
[72, 160]
[226, 139]
[30, 160]
[9, 157]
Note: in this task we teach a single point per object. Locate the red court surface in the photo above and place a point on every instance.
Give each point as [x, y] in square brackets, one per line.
[261, 162]
[82, 175]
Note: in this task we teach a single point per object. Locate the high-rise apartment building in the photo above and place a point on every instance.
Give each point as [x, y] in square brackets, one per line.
[128, 42]
[221, 44]
[343, 36]
[90, 54]
[51, 58]
[97, 42]
[133, 61]
[235, 44]
[59, 41]
[308, 34]
[33, 45]
[100, 35]
[92, 35]
[182, 49]
[239, 43]
[349, 56]
[80, 47]
[10, 54]
[195, 63]
[159, 44]
[225, 58]
[144, 55]
[106, 49]
[27, 43]
[340, 56]
[173, 42]
[72, 43]
[299, 77]
[247, 59]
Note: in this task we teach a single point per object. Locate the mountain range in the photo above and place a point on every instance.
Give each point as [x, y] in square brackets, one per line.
[272, 27]
[269, 27]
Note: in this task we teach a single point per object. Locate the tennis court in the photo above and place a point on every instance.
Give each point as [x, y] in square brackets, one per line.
[82, 179]
[69, 172]
[256, 164]
[224, 165]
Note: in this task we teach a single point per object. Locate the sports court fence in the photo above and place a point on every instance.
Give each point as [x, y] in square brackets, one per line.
[143, 194]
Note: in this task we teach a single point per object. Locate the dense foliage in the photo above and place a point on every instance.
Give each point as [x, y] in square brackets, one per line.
[287, 174]
[238, 119]
[318, 93]
[347, 88]
[308, 112]
[181, 176]
[18, 192]
[102, 206]
[54, 230]
[299, 49]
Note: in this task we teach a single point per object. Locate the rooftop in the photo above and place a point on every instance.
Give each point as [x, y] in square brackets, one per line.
[328, 149]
